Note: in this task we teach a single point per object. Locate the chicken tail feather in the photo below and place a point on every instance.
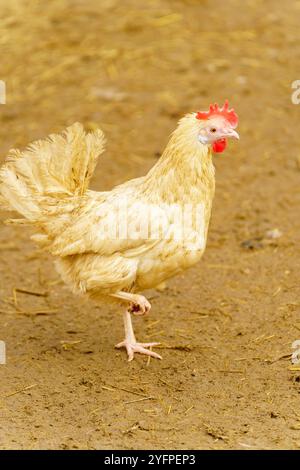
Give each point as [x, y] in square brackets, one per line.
[57, 168]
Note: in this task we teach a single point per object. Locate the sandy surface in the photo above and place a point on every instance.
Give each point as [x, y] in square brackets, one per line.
[227, 325]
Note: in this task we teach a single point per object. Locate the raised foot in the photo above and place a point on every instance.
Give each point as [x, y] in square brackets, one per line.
[140, 306]
[140, 348]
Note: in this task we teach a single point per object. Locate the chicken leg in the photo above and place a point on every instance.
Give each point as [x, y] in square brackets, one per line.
[130, 342]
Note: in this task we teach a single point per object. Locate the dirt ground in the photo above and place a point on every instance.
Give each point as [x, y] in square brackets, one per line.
[226, 326]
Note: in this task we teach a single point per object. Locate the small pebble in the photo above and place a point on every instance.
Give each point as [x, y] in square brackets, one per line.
[273, 234]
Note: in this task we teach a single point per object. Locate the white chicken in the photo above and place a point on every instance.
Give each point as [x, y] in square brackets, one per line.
[115, 244]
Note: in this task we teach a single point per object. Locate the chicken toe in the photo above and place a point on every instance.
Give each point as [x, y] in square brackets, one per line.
[140, 348]
[130, 343]
[139, 305]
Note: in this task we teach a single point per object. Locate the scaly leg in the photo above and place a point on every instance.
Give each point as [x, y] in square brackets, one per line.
[131, 344]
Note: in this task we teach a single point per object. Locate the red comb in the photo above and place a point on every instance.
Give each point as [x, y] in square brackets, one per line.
[214, 110]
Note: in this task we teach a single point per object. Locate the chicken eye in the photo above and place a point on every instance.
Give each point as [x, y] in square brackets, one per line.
[213, 130]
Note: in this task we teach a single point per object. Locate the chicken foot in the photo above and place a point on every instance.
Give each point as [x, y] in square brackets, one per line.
[139, 305]
[130, 342]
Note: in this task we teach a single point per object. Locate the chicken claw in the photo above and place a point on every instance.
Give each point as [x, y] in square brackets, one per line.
[141, 306]
[140, 348]
[130, 343]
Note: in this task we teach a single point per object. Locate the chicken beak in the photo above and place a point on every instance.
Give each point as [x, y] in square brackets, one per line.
[232, 133]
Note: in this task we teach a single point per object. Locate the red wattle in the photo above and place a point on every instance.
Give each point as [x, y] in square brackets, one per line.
[219, 145]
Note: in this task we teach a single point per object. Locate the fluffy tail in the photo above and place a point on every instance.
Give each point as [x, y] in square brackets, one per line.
[50, 172]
